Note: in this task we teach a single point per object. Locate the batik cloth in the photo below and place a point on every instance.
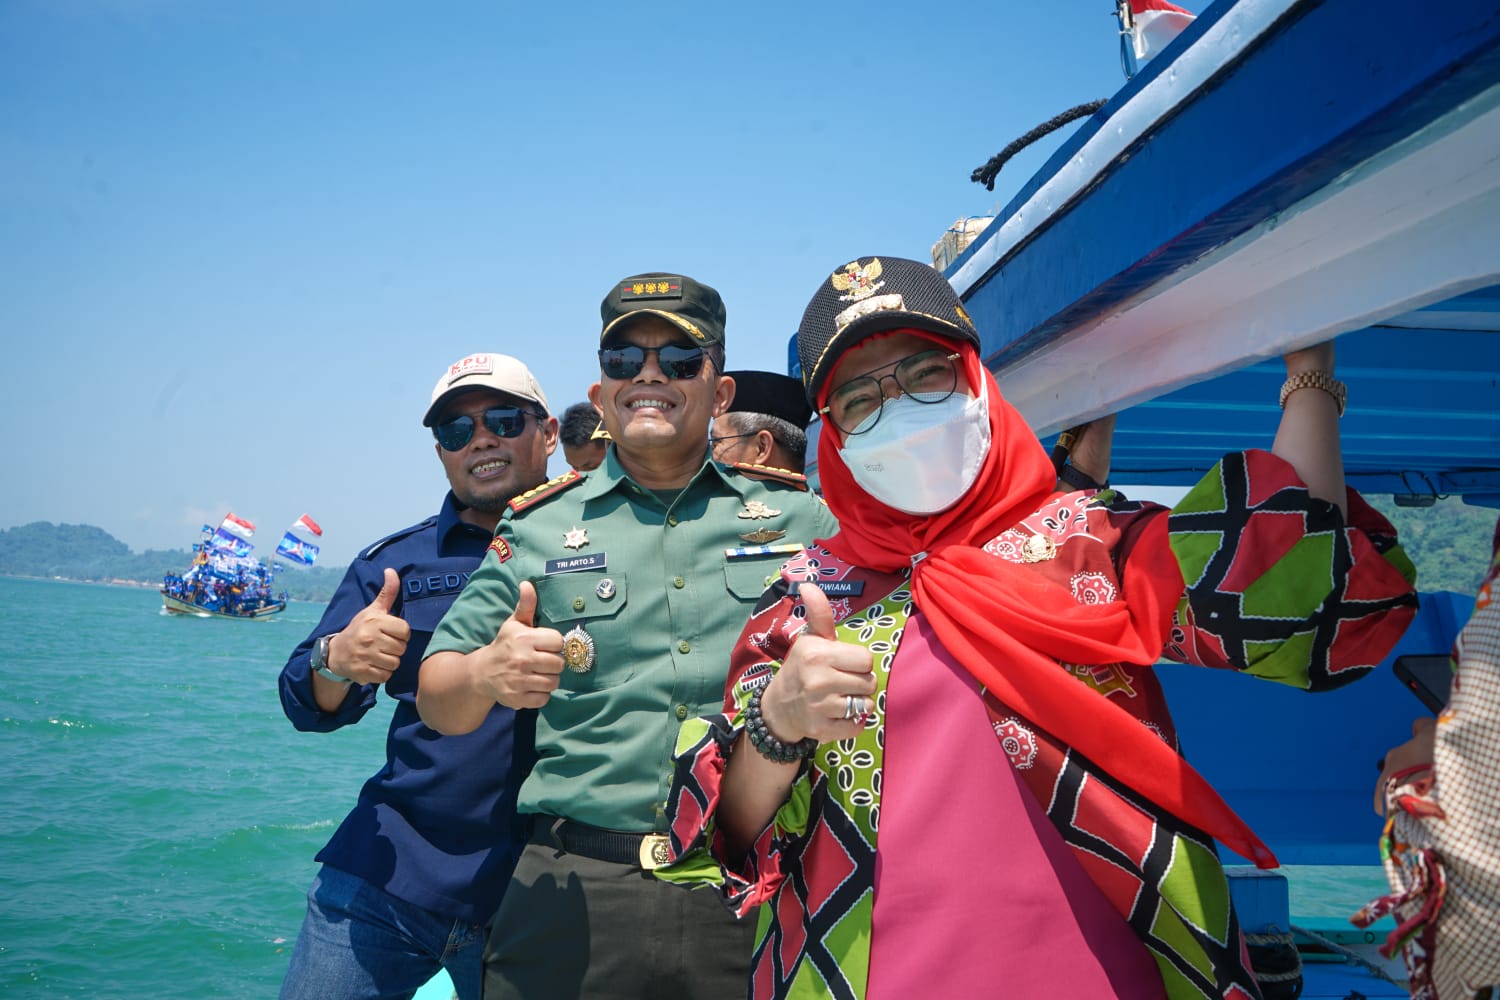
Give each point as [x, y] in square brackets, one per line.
[1441, 846]
[1277, 585]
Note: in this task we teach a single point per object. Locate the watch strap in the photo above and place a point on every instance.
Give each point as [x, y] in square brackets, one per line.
[320, 659]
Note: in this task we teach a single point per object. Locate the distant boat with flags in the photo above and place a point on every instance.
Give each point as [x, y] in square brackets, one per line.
[225, 579]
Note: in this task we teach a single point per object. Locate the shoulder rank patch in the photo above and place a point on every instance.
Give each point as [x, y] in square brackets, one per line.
[501, 550]
[550, 488]
[787, 476]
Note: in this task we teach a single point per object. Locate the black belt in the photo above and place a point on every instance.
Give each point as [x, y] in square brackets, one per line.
[647, 850]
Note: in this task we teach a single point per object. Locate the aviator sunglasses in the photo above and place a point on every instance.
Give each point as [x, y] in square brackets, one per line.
[674, 360]
[502, 421]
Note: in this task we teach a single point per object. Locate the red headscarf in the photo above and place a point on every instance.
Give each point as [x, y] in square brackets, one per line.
[1009, 626]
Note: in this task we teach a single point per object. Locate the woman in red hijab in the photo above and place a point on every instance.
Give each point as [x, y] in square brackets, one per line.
[944, 754]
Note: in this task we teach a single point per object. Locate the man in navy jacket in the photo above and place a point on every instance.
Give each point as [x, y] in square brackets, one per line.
[414, 872]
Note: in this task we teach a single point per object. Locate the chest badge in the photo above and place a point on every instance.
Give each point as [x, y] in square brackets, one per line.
[575, 539]
[762, 536]
[605, 590]
[578, 650]
[1038, 548]
[755, 511]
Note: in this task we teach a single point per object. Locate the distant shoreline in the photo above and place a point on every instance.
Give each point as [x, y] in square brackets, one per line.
[137, 584]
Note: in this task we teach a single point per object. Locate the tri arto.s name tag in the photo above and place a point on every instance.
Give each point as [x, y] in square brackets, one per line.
[575, 564]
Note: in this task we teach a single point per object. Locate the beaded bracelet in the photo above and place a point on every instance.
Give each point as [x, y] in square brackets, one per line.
[1316, 380]
[768, 745]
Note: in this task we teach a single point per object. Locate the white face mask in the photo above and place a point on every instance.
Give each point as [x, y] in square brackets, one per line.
[920, 458]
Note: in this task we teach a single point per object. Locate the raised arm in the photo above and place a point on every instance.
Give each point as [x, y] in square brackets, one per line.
[1308, 435]
[520, 668]
[806, 698]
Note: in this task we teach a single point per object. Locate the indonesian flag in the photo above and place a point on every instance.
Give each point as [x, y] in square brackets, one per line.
[306, 523]
[238, 526]
[1155, 23]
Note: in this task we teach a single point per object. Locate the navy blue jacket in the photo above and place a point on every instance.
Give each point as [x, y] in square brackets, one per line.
[437, 825]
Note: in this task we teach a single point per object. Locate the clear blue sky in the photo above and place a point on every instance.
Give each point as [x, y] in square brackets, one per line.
[239, 242]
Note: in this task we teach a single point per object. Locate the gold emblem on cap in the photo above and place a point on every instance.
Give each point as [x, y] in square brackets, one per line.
[763, 536]
[575, 539]
[755, 511]
[1038, 548]
[858, 281]
[578, 650]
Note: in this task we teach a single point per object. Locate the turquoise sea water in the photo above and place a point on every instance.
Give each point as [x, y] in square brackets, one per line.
[158, 815]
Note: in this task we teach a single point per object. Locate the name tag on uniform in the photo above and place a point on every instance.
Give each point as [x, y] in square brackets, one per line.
[417, 588]
[834, 588]
[573, 564]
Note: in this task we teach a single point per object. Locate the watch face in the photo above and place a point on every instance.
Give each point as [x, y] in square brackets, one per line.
[320, 653]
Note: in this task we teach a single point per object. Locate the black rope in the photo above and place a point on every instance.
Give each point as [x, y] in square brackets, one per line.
[986, 174]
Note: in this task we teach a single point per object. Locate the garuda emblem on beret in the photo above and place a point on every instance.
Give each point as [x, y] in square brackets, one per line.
[856, 281]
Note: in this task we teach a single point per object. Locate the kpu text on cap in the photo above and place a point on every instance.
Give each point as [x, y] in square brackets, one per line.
[871, 295]
[772, 394]
[691, 306]
[499, 372]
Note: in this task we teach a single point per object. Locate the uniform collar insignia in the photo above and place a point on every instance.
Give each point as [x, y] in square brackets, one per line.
[755, 510]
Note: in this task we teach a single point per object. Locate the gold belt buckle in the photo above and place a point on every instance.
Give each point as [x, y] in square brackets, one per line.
[656, 851]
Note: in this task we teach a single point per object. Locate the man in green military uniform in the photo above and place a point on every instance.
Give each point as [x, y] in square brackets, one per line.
[609, 601]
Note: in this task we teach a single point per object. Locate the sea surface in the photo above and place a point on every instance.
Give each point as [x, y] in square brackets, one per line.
[159, 815]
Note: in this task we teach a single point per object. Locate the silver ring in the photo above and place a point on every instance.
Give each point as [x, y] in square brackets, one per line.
[850, 703]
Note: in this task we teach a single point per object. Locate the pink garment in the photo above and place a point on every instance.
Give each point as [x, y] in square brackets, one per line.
[975, 890]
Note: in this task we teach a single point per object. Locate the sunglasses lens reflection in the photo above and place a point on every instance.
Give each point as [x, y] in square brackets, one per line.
[502, 421]
[675, 361]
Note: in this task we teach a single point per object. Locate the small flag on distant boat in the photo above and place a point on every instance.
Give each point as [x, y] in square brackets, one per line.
[225, 541]
[306, 523]
[237, 526]
[296, 550]
[1146, 27]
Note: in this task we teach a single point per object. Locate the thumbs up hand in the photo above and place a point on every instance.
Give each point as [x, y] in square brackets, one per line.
[810, 694]
[522, 666]
[370, 647]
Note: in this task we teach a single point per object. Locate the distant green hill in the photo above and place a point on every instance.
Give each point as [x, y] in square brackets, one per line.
[84, 552]
[1449, 542]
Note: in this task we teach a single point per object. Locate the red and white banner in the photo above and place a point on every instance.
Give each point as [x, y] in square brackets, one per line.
[1155, 23]
[237, 526]
[306, 523]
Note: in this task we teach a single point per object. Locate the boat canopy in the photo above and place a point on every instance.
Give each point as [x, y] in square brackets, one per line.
[1286, 172]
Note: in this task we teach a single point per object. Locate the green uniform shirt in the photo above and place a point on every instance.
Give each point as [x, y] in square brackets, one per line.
[663, 589]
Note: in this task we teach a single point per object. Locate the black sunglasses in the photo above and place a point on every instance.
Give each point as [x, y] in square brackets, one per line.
[502, 421]
[674, 360]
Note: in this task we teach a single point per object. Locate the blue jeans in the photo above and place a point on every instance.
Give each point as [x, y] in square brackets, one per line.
[360, 943]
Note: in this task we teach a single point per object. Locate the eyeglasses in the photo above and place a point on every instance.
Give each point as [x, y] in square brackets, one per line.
[502, 421]
[928, 377]
[674, 360]
[714, 442]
